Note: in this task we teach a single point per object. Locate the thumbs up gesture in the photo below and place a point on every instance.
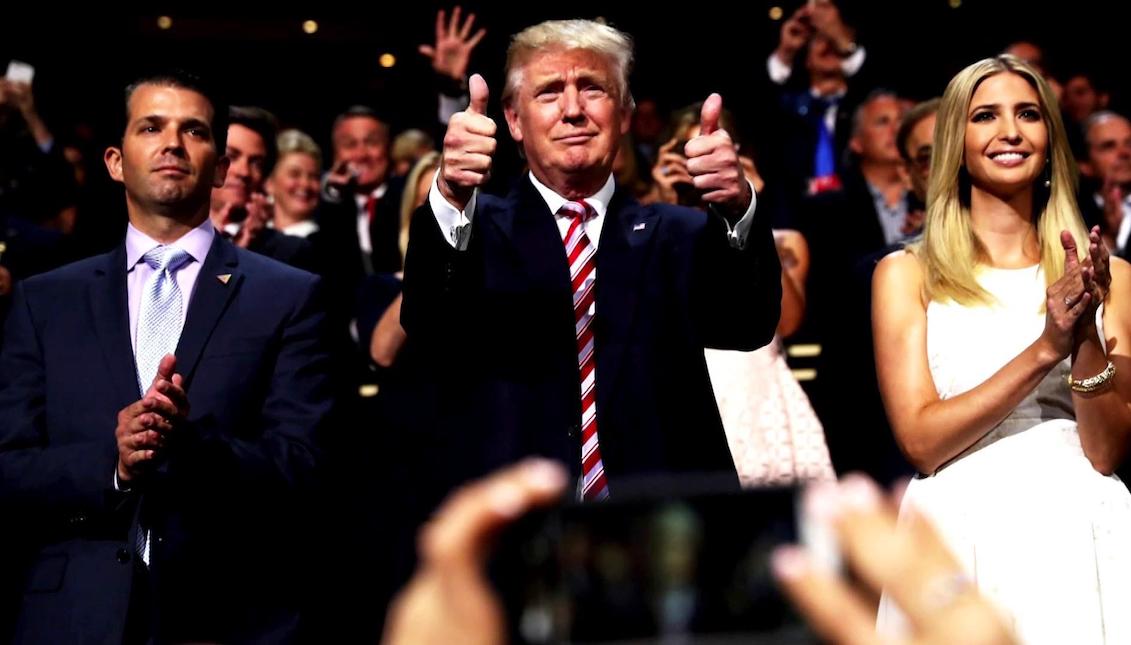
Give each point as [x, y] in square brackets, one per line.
[469, 146]
[712, 162]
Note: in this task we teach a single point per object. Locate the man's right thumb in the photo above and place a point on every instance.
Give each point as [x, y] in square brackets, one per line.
[479, 94]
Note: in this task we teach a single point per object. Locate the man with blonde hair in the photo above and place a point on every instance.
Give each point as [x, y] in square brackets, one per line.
[504, 299]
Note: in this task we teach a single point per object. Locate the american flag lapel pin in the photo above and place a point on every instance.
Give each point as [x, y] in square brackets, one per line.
[639, 227]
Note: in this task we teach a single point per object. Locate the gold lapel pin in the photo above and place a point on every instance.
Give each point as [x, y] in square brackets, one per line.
[224, 277]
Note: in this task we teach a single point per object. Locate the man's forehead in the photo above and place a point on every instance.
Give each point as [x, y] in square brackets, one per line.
[150, 100]
[566, 62]
[883, 103]
[244, 138]
[359, 126]
[1110, 127]
[924, 129]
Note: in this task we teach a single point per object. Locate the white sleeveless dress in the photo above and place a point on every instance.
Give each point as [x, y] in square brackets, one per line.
[1041, 532]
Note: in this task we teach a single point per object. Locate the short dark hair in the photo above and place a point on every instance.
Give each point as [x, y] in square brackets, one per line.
[362, 111]
[264, 124]
[911, 119]
[186, 80]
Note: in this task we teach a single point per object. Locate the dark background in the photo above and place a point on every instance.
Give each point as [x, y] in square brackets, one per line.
[262, 56]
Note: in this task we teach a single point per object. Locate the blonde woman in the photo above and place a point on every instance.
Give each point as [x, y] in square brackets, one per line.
[1001, 350]
[293, 184]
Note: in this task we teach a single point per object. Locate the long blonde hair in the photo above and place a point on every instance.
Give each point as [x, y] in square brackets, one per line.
[949, 250]
[428, 163]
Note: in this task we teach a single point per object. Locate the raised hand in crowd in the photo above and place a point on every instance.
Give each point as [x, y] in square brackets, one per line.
[454, 43]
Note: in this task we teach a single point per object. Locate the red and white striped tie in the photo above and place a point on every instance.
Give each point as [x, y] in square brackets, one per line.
[583, 273]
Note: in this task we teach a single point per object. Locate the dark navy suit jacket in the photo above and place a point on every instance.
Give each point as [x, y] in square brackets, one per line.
[496, 323]
[221, 504]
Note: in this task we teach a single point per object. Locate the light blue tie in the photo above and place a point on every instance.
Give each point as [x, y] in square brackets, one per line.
[161, 315]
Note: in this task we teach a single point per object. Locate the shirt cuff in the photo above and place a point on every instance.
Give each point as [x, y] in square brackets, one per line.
[779, 71]
[853, 62]
[737, 234]
[119, 485]
[454, 224]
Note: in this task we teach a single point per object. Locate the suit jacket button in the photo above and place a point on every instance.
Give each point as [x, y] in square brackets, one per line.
[123, 555]
[574, 431]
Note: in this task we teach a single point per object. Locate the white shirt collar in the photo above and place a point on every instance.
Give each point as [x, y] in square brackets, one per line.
[301, 229]
[599, 200]
[377, 193]
[196, 243]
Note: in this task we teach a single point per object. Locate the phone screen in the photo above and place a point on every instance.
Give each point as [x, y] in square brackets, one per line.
[689, 569]
[20, 72]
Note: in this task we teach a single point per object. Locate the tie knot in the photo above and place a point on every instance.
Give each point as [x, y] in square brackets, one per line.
[166, 258]
[577, 210]
[822, 103]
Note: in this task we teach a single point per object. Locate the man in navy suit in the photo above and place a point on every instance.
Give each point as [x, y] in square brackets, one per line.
[175, 525]
[491, 298]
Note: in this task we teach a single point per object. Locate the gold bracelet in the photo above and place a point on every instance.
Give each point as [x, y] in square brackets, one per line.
[1092, 383]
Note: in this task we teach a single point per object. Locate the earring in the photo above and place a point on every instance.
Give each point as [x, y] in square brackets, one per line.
[1048, 172]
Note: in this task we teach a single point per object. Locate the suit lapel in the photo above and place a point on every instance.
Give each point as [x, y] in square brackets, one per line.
[111, 313]
[622, 253]
[529, 225]
[218, 282]
[626, 243]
